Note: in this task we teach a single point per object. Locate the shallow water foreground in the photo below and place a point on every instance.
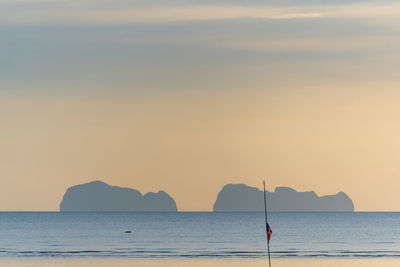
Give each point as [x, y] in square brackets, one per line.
[202, 235]
[35, 262]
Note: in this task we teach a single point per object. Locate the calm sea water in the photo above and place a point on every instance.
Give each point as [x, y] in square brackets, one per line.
[185, 234]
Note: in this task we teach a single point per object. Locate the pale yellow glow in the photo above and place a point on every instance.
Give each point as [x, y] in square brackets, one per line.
[191, 144]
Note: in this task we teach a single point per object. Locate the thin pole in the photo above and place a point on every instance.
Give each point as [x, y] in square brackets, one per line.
[266, 223]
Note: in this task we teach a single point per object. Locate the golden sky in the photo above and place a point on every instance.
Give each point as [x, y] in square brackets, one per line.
[189, 97]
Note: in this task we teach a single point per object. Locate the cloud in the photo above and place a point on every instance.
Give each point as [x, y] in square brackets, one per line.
[365, 44]
[191, 14]
[118, 12]
[75, 14]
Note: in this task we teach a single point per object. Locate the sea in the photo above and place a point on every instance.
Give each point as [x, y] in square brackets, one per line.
[199, 234]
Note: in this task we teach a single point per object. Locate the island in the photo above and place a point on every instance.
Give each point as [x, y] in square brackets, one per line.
[240, 197]
[99, 196]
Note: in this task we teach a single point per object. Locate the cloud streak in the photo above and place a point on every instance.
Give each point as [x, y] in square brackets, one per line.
[153, 15]
[88, 12]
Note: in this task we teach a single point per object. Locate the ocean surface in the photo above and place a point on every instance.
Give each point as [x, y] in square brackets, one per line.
[198, 234]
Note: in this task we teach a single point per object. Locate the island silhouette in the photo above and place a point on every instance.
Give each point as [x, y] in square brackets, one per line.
[240, 197]
[99, 196]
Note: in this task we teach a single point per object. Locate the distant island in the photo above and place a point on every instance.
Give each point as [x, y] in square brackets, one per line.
[99, 196]
[240, 197]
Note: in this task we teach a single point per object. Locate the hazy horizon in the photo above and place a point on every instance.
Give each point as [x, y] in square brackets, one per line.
[187, 96]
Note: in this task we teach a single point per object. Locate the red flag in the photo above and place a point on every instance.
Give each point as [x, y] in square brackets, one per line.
[269, 232]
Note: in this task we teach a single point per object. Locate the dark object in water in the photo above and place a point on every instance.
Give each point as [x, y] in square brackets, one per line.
[128, 232]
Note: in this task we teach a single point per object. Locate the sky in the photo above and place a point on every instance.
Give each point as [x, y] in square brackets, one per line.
[187, 96]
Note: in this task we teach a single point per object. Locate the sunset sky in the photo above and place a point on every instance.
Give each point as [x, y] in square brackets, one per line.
[187, 96]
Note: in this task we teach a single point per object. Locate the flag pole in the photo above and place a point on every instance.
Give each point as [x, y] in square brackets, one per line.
[266, 224]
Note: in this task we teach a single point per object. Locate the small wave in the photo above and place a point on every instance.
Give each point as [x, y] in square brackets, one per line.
[182, 253]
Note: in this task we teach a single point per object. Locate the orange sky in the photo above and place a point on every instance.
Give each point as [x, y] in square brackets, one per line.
[192, 144]
[189, 97]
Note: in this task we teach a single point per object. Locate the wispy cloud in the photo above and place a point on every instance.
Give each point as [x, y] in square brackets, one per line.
[89, 12]
[117, 12]
[359, 44]
[153, 14]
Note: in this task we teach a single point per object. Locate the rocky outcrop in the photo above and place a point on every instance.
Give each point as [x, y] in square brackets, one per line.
[99, 196]
[240, 197]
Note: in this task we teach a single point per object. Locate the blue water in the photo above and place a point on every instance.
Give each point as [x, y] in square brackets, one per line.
[162, 235]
